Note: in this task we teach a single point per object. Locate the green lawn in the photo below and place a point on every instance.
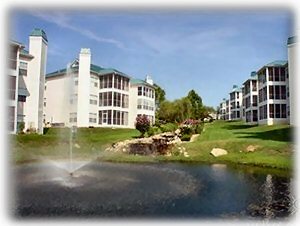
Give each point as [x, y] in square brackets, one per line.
[55, 144]
[274, 145]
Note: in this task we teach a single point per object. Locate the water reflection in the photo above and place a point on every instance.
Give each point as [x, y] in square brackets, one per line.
[153, 190]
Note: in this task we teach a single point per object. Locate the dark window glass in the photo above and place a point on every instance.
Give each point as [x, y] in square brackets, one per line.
[277, 110]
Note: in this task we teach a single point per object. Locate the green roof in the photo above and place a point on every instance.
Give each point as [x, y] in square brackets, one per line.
[25, 52]
[94, 68]
[39, 32]
[135, 81]
[277, 63]
[292, 40]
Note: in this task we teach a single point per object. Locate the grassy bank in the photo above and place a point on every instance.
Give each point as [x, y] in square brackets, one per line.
[273, 145]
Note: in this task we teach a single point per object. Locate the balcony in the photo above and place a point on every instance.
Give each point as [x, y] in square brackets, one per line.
[13, 64]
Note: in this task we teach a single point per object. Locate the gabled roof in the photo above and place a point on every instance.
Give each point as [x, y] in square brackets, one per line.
[39, 32]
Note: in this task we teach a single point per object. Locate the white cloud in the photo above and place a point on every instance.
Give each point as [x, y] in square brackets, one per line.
[61, 20]
[172, 41]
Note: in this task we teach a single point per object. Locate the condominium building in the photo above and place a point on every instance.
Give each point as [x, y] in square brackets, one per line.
[292, 79]
[93, 96]
[272, 93]
[26, 72]
[250, 98]
[228, 110]
[222, 109]
[235, 103]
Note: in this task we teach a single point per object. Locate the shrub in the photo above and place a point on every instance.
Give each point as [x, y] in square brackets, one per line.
[142, 124]
[186, 130]
[169, 127]
[21, 127]
[199, 128]
[153, 130]
[186, 137]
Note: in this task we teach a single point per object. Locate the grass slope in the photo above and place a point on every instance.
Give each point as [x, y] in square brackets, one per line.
[274, 145]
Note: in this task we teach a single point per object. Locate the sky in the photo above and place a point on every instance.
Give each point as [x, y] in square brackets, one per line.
[208, 51]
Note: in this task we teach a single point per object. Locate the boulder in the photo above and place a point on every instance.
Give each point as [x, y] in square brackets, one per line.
[194, 137]
[216, 152]
[251, 148]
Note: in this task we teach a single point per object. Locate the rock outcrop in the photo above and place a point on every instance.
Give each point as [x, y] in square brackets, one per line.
[157, 144]
[216, 152]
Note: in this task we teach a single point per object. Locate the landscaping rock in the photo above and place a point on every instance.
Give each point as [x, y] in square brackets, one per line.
[77, 146]
[194, 137]
[251, 148]
[216, 152]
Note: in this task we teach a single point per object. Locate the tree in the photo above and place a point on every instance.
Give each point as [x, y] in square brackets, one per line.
[196, 101]
[160, 95]
[142, 124]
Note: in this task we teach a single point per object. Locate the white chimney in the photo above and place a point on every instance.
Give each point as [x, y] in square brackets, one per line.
[149, 80]
[83, 88]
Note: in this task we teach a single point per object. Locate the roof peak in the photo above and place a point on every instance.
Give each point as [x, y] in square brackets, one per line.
[39, 32]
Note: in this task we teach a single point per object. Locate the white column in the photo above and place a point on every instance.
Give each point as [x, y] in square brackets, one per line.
[35, 81]
[83, 88]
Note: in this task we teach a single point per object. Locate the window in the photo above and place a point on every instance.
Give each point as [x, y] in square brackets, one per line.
[139, 103]
[276, 74]
[13, 57]
[23, 68]
[254, 85]
[254, 100]
[105, 99]
[93, 117]
[73, 117]
[271, 110]
[254, 116]
[12, 87]
[11, 118]
[23, 99]
[117, 99]
[140, 88]
[271, 92]
[125, 101]
[277, 92]
[282, 74]
[271, 74]
[283, 110]
[76, 82]
[283, 92]
[277, 110]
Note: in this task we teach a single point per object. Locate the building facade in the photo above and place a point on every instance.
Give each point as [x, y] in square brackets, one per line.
[236, 97]
[272, 93]
[222, 110]
[26, 72]
[250, 99]
[292, 79]
[96, 96]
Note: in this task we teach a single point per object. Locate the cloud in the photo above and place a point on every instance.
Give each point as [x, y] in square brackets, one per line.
[174, 41]
[61, 20]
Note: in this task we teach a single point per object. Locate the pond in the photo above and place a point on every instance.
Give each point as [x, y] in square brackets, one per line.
[152, 190]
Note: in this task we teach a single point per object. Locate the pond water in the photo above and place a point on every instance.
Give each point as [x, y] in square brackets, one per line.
[162, 190]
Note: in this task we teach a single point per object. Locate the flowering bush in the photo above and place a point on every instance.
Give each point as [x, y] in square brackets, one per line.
[191, 126]
[142, 124]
